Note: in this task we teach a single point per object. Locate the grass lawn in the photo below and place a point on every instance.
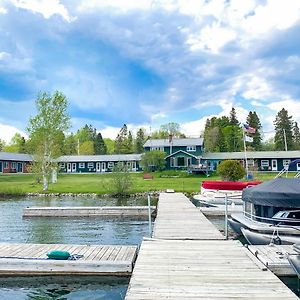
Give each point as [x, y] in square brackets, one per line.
[97, 183]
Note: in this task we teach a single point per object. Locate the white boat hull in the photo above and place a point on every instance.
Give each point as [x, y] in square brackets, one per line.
[260, 238]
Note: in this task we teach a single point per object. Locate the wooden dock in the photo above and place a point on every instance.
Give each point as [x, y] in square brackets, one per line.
[178, 218]
[275, 257]
[140, 212]
[31, 259]
[189, 259]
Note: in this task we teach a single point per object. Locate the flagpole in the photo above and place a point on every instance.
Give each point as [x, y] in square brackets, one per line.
[245, 154]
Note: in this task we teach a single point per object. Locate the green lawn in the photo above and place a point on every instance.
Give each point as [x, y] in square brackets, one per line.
[97, 183]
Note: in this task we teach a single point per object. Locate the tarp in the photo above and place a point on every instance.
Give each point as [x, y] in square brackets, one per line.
[279, 192]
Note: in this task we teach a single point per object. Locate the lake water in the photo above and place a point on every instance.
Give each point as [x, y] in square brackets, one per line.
[14, 228]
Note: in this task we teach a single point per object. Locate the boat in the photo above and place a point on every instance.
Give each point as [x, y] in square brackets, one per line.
[271, 213]
[213, 192]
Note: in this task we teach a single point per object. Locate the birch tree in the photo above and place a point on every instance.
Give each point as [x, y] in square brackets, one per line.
[45, 130]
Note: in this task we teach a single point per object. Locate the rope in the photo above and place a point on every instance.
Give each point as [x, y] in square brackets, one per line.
[72, 257]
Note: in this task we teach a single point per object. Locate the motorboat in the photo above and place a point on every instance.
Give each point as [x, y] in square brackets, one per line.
[214, 192]
[271, 213]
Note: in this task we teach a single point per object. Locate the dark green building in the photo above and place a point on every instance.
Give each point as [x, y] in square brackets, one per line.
[181, 153]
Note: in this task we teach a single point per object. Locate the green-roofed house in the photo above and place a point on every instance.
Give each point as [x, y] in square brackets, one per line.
[181, 153]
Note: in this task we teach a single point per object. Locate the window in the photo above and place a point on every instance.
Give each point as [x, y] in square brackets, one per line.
[5, 165]
[250, 162]
[181, 161]
[264, 163]
[62, 165]
[13, 165]
[90, 165]
[134, 165]
[191, 148]
[157, 149]
[110, 165]
[81, 165]
[286, 162]
[172, 162]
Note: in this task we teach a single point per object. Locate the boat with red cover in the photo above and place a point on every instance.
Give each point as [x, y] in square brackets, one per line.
[228, 185]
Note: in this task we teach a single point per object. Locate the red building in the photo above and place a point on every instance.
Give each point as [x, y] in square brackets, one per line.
[15, 162]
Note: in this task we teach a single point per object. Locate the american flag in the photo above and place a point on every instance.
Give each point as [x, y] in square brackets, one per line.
[249, 129]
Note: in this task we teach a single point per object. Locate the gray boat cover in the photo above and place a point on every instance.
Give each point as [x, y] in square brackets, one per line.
[279, 192]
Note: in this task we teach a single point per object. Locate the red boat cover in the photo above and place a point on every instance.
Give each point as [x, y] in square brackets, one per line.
[228, 185]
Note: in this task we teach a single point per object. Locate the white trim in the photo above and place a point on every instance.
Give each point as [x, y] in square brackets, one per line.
[62, 165]
[22, 167]
[189, 154]
[73, 167]
[298, 166]
[81, 165]
[13, 166]
[98, 167]
[69, 167]
[265, 163]
[103, 167]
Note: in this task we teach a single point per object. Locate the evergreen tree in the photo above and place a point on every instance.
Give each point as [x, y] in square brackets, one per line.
[139, 141]
[233, 119]
[2, 145]
[254, 122]
[296, 136]
[121, 142]
[283, 126]
[129, 143]
[100, 147]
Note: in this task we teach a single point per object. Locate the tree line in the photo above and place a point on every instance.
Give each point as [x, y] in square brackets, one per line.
[227, 134]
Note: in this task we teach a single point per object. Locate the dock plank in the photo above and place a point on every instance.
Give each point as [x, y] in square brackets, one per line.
[31, 259]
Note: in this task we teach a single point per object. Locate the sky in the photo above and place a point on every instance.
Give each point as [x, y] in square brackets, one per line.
[147, 63]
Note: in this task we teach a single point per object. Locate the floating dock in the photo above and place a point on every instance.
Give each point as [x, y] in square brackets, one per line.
[189, 259]
[31, 259]
[140, 212]
[274, 257]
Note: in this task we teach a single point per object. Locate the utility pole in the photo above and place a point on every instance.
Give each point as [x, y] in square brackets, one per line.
[285, 143]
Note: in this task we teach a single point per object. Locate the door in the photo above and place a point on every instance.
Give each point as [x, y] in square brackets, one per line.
[1, 168]
[20, 167]
[274, 165]
[69, 167]
[98, 167]
[73, 167]
[103, 167]
[189, 161]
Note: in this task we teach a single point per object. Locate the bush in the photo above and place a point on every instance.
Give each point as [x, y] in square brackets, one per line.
[153, 161]
[121, 181]
[231, 170]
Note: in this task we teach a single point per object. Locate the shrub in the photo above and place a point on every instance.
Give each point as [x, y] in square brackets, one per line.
[231, 170]
[153, 161]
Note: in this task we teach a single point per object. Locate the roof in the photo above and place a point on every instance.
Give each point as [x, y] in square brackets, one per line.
[175, 142]
[15, 156]
[252, 155]
[95, 158]
[279, 192]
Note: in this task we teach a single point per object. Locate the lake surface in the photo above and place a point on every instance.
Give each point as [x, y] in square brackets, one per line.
[93, 230]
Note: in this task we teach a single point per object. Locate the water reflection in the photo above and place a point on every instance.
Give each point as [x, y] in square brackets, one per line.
[58, 287]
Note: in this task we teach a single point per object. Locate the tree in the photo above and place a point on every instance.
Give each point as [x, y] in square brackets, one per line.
[140, 141]
[268, 145]
[121, 142]
[166, 130]
[100, 147]
[17, 144]
[70, 145]
[153, 161]
[254, 122]
[233, 138]
[45, 129]
[110, 145]
[233, 119]
[231, 170]
[283, 130]
[87, 148]
[2, 145]
[130, 143]
[296, 136]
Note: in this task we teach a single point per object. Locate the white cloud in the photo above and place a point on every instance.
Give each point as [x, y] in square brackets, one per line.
[8, 131]
[47, 8]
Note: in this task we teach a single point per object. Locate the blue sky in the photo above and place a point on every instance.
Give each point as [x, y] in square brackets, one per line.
[147, 63]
